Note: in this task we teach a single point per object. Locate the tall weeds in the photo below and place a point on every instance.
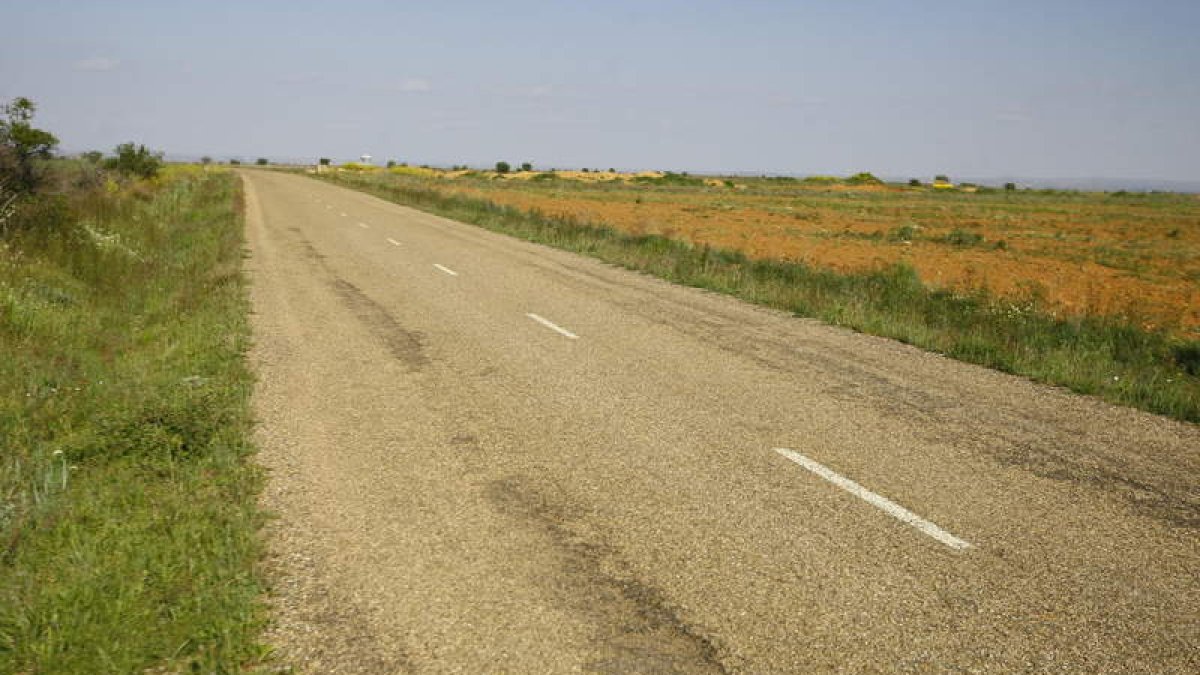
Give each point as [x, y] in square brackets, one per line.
[127, 516]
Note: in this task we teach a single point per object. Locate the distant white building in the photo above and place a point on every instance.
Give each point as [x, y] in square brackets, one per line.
[366, 159]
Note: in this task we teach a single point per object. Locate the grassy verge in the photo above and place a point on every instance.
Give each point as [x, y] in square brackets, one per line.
[1102, 356]
[127, 504]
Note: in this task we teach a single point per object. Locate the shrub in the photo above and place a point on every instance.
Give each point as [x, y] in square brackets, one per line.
[503, 167]
[864, 178]
[960, 237]
[262, 161]
[1010, 186]
[1187, 357]
[135, 160]
[903, 233]
[526, 166]
[234, 162]
[324, 161]
[914, 182]
[21, 145]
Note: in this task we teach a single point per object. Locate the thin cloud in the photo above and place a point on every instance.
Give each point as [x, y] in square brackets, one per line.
[1013, 116]
[298, 78]
[536, 91]
[787, 100]
[97, 64]
[415, 85]
[454, 125]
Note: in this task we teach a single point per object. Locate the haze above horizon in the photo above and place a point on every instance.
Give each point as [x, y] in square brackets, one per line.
[1065, 89]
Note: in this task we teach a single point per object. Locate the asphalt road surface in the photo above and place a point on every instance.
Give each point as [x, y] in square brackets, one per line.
[491, 456]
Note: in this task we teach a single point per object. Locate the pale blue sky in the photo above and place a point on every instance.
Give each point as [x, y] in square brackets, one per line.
[1063, 89]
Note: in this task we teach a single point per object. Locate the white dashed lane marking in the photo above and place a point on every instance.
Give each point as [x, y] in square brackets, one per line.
[879, 501]
[553, 326]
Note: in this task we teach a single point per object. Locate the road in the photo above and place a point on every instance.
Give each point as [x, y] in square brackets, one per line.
[490, 456]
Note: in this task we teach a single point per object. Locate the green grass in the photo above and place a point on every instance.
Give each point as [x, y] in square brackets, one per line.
[128, 521]
[1110, 357]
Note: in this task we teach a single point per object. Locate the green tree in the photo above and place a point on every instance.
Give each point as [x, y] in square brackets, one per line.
[21, 145]
[1010, 186]
[941, 178]
[206, 160]
[234, 161]
[526, 166]
[324, 161]
[503, 167]
[92, 156]
[135, 160]
[391, 163]
[262, 161]
[914, 182]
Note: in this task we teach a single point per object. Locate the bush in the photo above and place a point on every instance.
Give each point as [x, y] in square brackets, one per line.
[21, 145]
[262, 161]
[526, 166]
[864, 178]
[1187, 357]
[914, 182]
[43, 213]
[1010, 186]
[670, 178]
[135, 160]
[324, 161]
[903, 233]
[960, 237]
[503, 167]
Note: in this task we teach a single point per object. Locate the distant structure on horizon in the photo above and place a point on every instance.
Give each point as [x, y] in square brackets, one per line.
[366, 159]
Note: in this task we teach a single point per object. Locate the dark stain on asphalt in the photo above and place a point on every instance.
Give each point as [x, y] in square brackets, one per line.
[638, 630]
[407, 346]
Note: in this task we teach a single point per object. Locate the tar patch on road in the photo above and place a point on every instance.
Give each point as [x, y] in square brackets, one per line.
[1168, 500]
[407, 346]
[636, 630]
